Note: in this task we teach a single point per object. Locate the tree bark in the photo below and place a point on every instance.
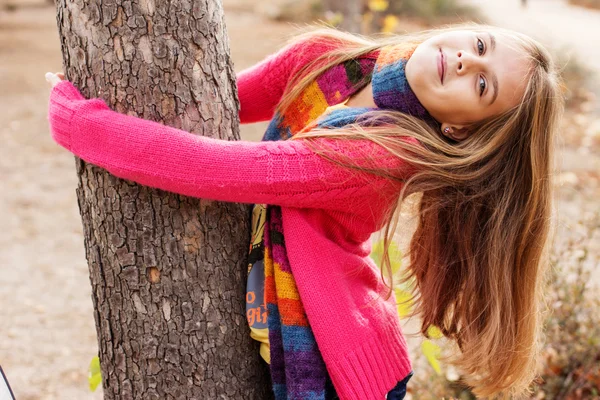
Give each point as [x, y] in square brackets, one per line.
[168, 272]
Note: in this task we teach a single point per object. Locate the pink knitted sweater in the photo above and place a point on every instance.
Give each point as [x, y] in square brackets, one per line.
[328, 212]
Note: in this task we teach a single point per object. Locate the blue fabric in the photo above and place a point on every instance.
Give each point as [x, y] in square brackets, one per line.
[399, 391]
[390, 87]
[340, 117]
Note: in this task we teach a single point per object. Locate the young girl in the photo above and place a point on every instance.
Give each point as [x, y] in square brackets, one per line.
[466, 117]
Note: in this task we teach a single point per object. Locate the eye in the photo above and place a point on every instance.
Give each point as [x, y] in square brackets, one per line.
[482, 85]
[480, 46]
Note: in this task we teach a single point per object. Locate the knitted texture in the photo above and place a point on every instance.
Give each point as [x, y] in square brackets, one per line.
[390, 87]
[328, 212]
[333, 86]
[297, 368]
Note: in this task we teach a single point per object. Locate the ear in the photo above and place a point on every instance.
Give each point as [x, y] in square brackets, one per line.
[454, 132]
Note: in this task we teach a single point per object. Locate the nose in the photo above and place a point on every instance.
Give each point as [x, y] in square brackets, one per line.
[467, 61]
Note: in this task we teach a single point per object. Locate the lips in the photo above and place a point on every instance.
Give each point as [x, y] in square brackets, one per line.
[441, 66]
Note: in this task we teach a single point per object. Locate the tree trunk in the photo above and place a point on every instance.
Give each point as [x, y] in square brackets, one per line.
[168, 272]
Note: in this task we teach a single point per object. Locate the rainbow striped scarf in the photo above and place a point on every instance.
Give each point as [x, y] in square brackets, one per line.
[297, 368]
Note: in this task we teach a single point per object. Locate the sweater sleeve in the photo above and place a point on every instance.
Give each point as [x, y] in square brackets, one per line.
[261, 87]
[285, 173]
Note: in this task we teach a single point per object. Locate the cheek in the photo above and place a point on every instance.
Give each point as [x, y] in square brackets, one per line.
[455, 106]
[462, 96]
[437, 106]
[458, 89]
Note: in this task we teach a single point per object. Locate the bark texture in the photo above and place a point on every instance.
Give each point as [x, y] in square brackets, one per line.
[168, 272]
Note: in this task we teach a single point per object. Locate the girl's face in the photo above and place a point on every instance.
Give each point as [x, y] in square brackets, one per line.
[462, 77]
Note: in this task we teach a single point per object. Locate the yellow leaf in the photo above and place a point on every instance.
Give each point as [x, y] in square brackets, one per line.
[434, 332]
[95, 376]
[390, 22]
[378, 5]
[432, 352]
[394, 253]
[404, 303]
[334, 19]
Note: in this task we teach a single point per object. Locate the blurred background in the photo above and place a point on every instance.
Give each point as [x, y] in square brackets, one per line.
[47, 333]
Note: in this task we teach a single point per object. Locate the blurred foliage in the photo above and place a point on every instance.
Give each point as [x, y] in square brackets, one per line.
[570, 365]
[95, 376]
[378, 5]
[390, 24]
[435, 11]
[383, 15]
[576, 78]
[377, 15]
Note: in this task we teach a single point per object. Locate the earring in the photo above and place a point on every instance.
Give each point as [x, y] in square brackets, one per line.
[446, 130]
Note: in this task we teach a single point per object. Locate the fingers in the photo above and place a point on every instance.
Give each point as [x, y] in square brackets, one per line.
[54, 78]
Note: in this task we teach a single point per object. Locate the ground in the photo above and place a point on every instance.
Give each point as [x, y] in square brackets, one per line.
[47, 333]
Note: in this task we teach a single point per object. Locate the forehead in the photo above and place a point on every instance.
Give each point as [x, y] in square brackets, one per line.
[510, 63]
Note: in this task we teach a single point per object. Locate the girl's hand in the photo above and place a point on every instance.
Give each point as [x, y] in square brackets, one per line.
[65, 101]
[54, 79]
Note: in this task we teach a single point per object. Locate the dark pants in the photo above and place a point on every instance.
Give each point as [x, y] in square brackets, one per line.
[399, 391]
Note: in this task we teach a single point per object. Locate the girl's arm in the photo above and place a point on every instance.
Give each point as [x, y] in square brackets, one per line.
[285, 173]
[261, 86]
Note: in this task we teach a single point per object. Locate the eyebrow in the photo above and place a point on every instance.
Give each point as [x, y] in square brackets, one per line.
[494, 77]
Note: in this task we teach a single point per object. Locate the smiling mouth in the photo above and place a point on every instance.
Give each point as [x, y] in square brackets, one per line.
[442, 66]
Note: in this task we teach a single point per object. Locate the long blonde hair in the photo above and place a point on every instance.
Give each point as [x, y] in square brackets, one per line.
[480, 250]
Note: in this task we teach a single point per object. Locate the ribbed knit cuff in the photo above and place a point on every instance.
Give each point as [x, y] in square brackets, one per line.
[64, 101]
[373, 369]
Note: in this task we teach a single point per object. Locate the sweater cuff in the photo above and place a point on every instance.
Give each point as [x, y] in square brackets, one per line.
[373, 369]
[65, 99]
